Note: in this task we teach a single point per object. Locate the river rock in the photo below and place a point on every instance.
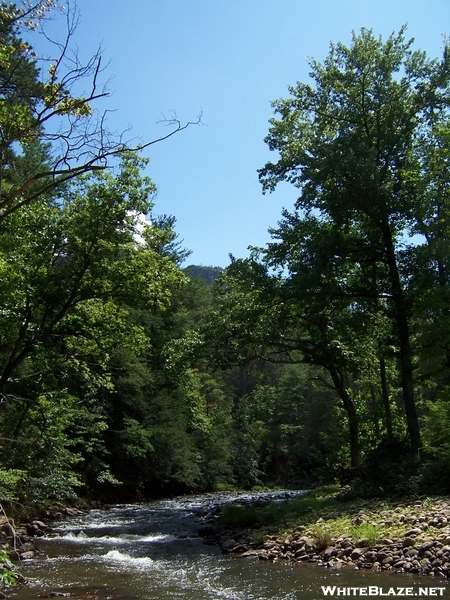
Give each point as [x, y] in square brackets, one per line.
[408, 541]
[27, 546]
[399, 564]
[238, 548]
[416, 551]
[381, 555]
[370, 556]
[8, 528]
[413, 532]
[329, 553]
[426, 546]
[310, 545]
[72, 512]
[357, 553]
[254, 554]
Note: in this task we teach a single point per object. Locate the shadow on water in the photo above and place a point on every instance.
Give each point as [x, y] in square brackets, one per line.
[152, 551]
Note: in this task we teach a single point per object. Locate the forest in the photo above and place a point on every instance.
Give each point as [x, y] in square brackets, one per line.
[126, 375]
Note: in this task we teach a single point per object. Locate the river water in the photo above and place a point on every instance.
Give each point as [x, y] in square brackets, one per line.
[152, 551]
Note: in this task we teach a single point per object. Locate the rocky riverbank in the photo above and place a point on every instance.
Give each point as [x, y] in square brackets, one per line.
[19, 541]
[410, 537]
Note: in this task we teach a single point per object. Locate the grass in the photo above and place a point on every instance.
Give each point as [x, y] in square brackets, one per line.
[276, 513]
[371, 534]
[237, 516]
[225, 487]
[322, 536]
[320, 516]
[427, 503]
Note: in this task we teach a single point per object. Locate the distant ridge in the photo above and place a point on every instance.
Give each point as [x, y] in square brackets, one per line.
[208, 274]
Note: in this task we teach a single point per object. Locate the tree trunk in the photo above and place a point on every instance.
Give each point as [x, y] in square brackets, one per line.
[351, 414]
[386, 402]
[401, 320]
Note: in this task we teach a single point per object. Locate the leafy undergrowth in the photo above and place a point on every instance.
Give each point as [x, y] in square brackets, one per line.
[7, 571]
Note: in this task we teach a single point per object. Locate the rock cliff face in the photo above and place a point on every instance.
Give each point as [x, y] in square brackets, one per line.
[208, 274]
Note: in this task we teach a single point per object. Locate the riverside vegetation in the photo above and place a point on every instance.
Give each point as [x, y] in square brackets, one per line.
[323, 528]
[125, 376]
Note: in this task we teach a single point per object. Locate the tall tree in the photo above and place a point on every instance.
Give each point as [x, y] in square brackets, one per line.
[432, 273]
[75, 272]
[64, 263]
[291, 316]
[349, 142]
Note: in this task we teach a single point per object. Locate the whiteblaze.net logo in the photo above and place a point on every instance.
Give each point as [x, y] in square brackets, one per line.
[374, 590]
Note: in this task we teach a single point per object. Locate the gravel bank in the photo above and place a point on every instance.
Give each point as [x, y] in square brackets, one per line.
[411, 537]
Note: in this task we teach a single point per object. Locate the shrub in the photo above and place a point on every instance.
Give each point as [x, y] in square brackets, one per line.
[322, 536]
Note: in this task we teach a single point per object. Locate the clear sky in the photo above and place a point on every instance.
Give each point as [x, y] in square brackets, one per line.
[229, 59]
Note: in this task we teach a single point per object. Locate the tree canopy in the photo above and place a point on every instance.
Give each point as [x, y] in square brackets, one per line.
[125, 375]
[354, 143]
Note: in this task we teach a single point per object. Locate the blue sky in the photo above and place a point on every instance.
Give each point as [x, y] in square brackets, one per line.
[228, 59]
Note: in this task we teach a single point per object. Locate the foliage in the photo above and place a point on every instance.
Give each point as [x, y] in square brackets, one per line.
[343, 284]
[10, 480]
[55, 432]
[124, 376]
[90, 347]
[321, 535]
[237, 516]
[370, 533]
[7, 576]
[353, 143]
[434, 471]
[277, 513]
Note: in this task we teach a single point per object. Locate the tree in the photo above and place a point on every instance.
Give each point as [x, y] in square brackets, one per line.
[432, 269]
[293, 318]
[78, 256]
[169, 416]
[350, 143]
[78, 274]
[39, 101]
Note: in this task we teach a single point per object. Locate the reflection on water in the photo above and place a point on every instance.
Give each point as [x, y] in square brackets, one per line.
[151, 551]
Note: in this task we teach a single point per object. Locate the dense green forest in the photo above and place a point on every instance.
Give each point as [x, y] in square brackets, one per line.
[125, 375]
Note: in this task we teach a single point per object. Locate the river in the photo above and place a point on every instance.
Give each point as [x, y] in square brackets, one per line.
[152, 550]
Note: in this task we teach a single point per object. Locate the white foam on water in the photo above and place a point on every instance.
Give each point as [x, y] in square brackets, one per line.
[116, 556]
[93, 524]
[83, 538]
[113, 556]
[153, 538]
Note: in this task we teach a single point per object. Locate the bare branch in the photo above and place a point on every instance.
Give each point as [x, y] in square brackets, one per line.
[78, 134]
[178, 126]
